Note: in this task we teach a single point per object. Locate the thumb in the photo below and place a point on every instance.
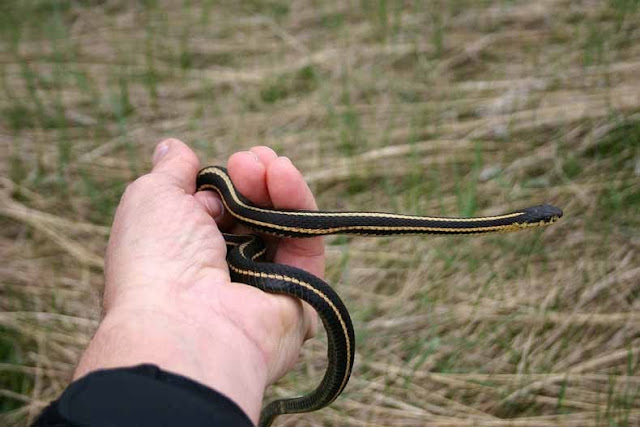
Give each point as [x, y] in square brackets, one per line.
[177, 162]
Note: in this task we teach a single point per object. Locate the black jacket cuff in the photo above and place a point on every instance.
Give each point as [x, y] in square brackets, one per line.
[143, 395]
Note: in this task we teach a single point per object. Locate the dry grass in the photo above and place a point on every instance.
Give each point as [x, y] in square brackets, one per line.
[453, 108]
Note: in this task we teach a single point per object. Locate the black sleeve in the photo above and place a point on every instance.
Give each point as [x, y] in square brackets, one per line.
[142, 395]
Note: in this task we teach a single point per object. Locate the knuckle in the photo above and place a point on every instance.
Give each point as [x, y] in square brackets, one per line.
[138, 189]
[140, 185]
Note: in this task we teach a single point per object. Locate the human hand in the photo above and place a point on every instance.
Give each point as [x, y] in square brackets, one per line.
[168, 298]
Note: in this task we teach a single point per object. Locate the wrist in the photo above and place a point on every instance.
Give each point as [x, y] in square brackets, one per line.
[215, 354]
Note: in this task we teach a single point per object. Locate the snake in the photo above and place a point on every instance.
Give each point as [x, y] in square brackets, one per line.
[246, 258]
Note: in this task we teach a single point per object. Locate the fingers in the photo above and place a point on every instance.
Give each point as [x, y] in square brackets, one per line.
[212, 204]
[287, 187]
[177, 163]
[261, 176]
[265, 154]
[269, 180]
[248, 172]
[288, 190]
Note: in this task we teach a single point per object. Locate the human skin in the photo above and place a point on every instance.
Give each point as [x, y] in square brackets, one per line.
[168, 298]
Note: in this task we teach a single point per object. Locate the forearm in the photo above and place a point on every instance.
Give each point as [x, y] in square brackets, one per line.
[128, 339]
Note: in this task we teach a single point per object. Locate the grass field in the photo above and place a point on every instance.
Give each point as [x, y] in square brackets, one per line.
[443, 107]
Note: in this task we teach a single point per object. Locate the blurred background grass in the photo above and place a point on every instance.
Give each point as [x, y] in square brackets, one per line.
[442, 107]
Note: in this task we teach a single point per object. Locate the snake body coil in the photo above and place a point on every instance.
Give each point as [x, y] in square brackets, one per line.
[245, 258]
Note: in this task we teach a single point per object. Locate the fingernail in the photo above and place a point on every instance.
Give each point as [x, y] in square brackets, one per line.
[160, 151]
[286, 159]
[255, 156]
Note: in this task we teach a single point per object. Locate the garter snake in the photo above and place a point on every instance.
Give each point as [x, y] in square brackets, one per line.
[245, 257]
